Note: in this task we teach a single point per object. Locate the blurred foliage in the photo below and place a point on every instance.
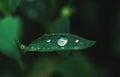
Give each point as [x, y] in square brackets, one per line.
[76, 66]
[116, 43]
[10, 29]
[42, 11]
[61, 25]
[55, 17]
[42, 67]
[35, 9]
[9, 6]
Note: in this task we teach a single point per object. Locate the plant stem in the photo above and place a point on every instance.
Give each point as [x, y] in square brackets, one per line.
[22, 65]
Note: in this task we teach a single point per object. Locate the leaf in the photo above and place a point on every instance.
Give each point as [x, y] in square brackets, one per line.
[10, 28]
[61, 25]
[59, 42]
[10, 5]
[77, 65]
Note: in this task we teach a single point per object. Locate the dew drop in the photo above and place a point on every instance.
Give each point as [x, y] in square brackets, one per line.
[48, 41]
[62, 41]
[76, 41]
[38, 48]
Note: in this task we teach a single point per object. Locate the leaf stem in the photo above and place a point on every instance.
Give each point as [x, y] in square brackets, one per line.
[22, 65]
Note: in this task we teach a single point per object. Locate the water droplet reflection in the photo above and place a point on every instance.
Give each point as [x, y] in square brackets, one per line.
[48, 41]
[76, 41]
[62, 41]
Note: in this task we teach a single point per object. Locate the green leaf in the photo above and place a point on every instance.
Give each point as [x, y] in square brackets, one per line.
[9, 33]
[77, 65]
[10, 5]
[61, 25]
[59, 42]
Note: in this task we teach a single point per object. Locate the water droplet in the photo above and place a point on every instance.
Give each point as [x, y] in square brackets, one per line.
[38, 48]
[77, 41]
[62, 41]
[48, 41]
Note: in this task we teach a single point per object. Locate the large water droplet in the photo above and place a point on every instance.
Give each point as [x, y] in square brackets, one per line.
[62, 41]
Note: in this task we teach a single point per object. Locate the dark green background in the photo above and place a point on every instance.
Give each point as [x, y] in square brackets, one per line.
[93, 19]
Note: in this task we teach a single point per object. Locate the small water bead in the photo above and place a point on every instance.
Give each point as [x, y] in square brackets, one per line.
[62, 41]
[38, 48]
[48, 41]
[77, 41]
